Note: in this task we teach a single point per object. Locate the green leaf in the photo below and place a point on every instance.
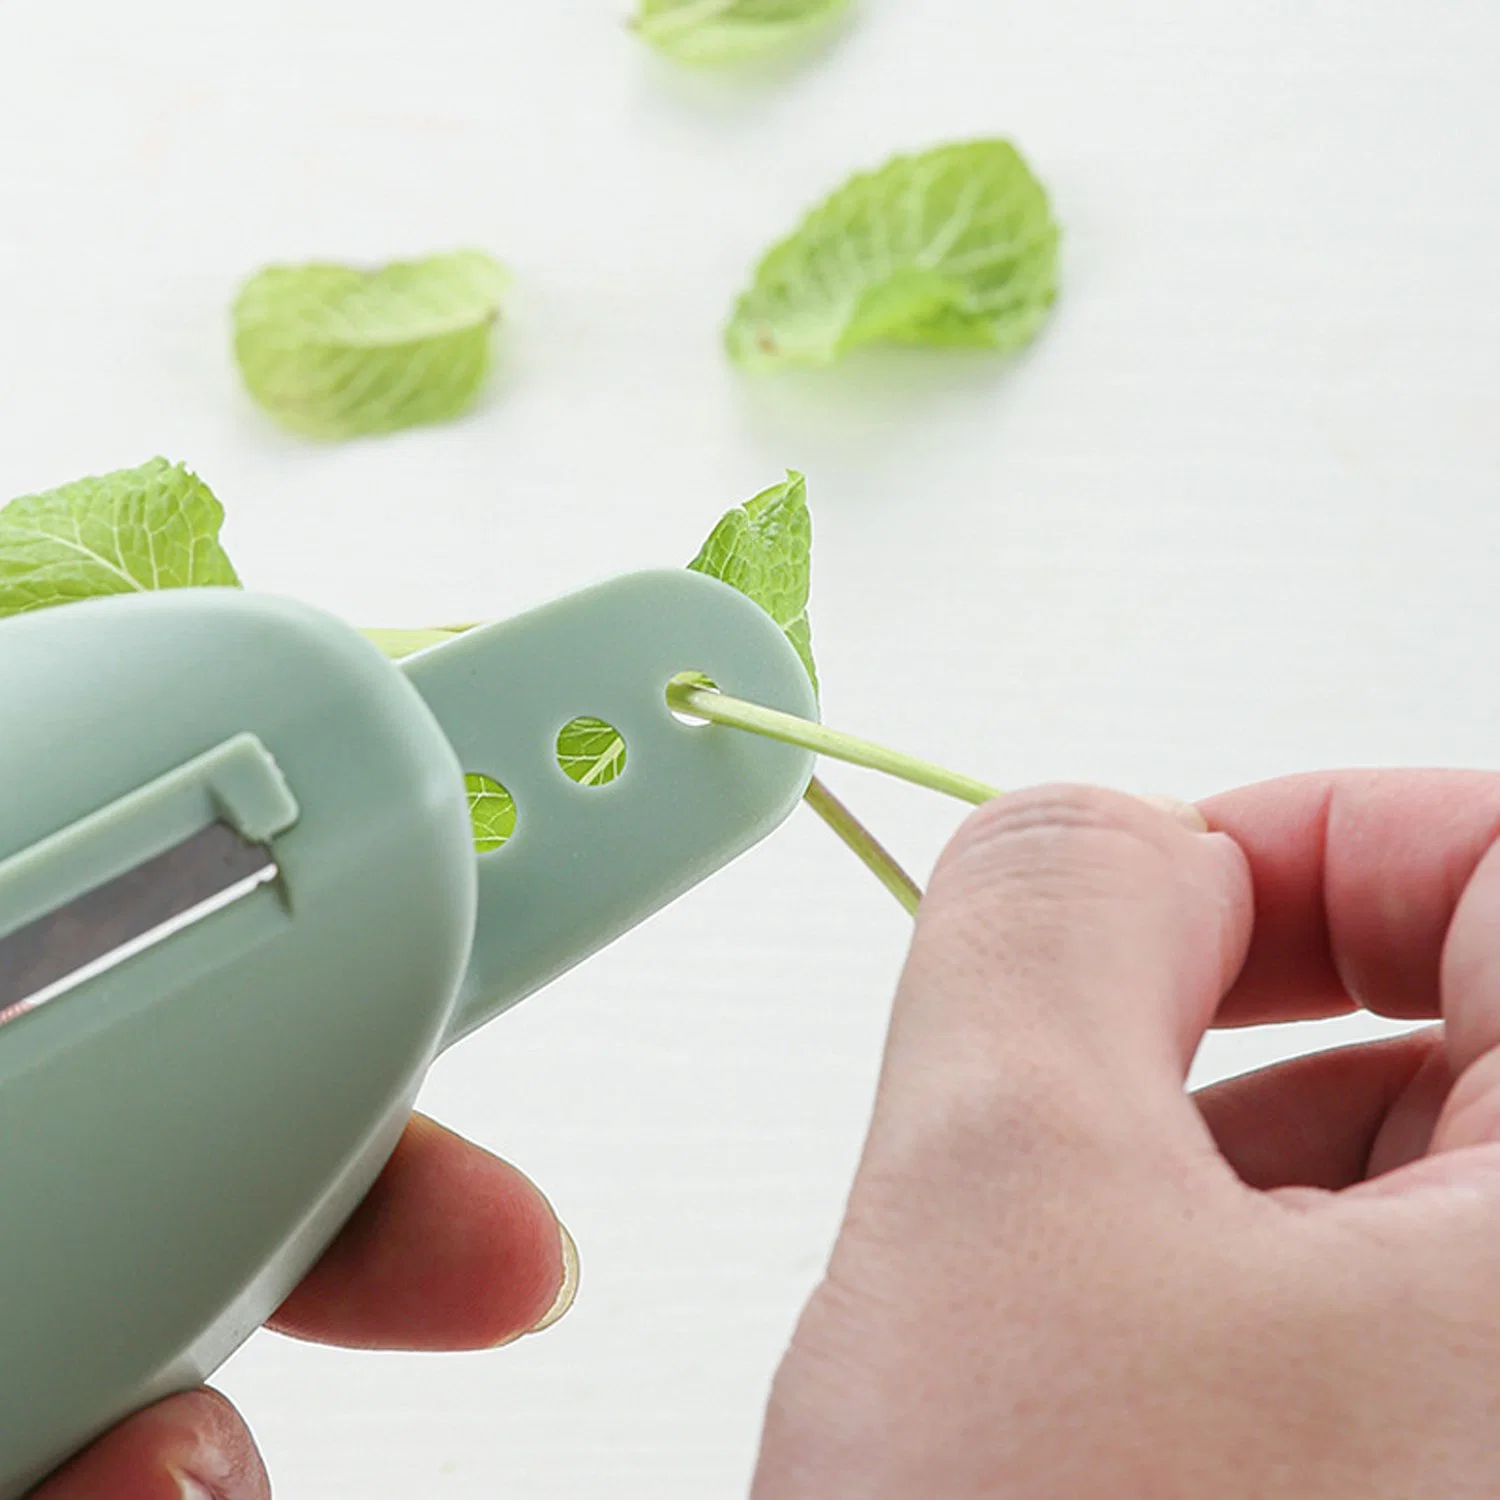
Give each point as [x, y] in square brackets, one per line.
[764, 549]
[492, 811]
[336, 352]
[954, 247]
[155, 527]
[728, 31]
[591, 751]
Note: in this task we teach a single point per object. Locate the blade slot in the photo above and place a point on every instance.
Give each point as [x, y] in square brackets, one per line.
[128, 915]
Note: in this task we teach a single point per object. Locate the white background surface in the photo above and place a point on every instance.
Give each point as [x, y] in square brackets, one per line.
[1234, 515]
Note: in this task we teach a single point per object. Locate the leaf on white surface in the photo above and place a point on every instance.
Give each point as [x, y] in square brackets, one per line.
[336, 352]
[953, 247]
[713, 32]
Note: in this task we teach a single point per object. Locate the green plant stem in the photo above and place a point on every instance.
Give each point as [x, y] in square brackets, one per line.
[720, 708]
[865, 845]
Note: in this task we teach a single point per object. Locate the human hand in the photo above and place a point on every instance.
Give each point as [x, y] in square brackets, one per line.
[451, 1249]
[1060, 1275]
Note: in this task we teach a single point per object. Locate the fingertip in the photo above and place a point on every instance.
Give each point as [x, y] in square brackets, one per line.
[1025, 835]
[453, 1248]
[1019, 835]
[1068, 907]
[1235, 865]
[1470, 967]
[1470, 1115]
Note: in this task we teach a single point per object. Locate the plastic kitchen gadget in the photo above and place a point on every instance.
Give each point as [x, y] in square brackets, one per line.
[241, 912]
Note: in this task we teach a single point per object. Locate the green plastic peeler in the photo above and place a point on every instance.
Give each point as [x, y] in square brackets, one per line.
[241, 912]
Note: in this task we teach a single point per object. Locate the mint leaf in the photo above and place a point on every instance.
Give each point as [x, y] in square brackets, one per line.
[336, 352]
[954, 247]
[764, 549]
[591, 752]
[155, 527]
[492, 811]
[726, 31]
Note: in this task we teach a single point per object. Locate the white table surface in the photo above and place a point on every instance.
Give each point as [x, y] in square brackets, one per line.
[1235, 514]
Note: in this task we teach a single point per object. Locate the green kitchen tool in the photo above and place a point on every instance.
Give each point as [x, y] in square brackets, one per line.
[241, 913]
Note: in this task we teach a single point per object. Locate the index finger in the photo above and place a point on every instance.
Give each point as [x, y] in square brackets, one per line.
[451, 1249]
[1356, 874]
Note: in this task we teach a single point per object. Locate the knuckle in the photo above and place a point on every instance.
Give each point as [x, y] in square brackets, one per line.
[1033, 1120]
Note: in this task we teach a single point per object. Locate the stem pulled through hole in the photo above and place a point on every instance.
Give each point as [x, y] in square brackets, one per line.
[689, 700]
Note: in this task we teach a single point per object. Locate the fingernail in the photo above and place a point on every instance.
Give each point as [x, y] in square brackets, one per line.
[568, 1292]
[1184, 812]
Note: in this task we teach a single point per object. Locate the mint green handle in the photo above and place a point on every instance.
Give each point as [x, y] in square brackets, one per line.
[588, 863]
[182, 1136]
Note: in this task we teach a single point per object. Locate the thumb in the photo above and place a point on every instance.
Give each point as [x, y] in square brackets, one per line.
[1471, 1013]
[1073, 946]
[183, 1448]
[1440, 1213]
